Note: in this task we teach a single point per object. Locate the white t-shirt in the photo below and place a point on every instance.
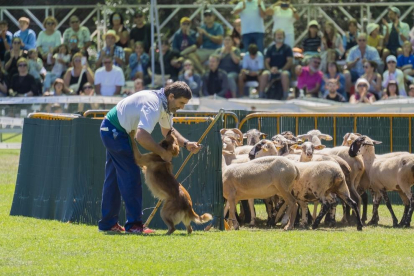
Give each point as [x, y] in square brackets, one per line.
[45, 41]
[59, 68]
[283, 19]
[109, 80]
[251, 22]
[143, 110]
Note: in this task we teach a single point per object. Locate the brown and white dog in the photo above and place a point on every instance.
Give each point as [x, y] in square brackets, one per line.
[161, 181]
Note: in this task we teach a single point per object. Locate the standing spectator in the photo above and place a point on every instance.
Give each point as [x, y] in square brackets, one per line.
[210, 36]
[23, 84]
[396, 32]
[252, 14]
[284, 16]
[172, 63]
[117, 24]
[11, 57]
[349, 40]
[82, 33]
[375, 39]
[109, 79]
[230, 63]
[138, 62]
[3, 82]
[252, 68]
[60, 61]
[5, 39]
[215, 80]
[405, 61]
[391, 91]
[141, 31]
[373, 77]
[111, 49]
[394, 74]
[334, 73]
[332, 88]
[236, 34]
[310, 77]
[76, 76]
[191, 78]
[312, 42]
[27, 36]
[357, 56]
[361, 93]
[35, 65]
[278, 62]
[331, 43]
[48, 39]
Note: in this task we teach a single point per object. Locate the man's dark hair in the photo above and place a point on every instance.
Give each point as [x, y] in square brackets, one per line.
[4, 22]
[178, 89]
[252, 49]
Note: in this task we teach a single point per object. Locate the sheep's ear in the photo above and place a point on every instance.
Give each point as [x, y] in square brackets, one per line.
[320, 147]
[244, 136]
[295, 146]
[223, 130]
[376, 142]
[357, 134]
[325, 137]
[278, 147]
[263, 134]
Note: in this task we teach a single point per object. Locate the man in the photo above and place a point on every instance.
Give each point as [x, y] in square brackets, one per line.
[310, 77]
[82, 33]
[109, 79]
[5, 39]
[27, 36]
[215, 80]
[357, 56]
[252, 14]
[210, 36]
[332, 86]
[140, 112]
[172, 63]
[394, 74]
[278, 62]
[111, 49]
[411, 91]
[349, 40]
[396, 32]
[252, 67]
[141, 31]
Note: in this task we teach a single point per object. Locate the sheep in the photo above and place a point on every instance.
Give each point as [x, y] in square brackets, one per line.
[253, 137]
[261, 178]
[395, 173]
[233, 132]
[315, 137]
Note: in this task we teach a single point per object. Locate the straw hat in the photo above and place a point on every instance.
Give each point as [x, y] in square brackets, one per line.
[113, 33]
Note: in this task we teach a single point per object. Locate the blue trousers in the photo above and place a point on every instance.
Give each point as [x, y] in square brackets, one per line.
[253, 38]
[122, 179]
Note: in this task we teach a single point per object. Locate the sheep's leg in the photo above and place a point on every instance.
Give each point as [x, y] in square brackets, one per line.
[309, 216]
[354, 207]
[280, 212]
[269, 210]
[389, 206]
[375, 204]
[411, 210]
[304, 208]
[332, 214]
[291, 209]
[406, 203]
[345, 212]
[322, 213]
[252, 212]
[364, 198]
[232, 213]
[226, 208]
[315, 209]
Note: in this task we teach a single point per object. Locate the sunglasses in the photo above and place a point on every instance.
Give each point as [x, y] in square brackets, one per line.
[366, 67]
[50, 23]
[362, 85]
[76, 60]
[74, 22]
[317, 62]
[88, 87]
[188, 64]
[22, 65]
[73, 40]
[16, 42]
[107, 62]
[362, 40]
[391, 61]
[186, 24]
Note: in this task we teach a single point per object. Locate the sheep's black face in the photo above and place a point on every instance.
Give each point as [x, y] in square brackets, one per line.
[255, 149]
[355, 146]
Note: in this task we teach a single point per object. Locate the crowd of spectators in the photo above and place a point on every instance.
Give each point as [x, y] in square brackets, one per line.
[360, 66]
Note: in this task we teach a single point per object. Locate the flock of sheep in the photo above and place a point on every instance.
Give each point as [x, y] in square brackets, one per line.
[289, 173]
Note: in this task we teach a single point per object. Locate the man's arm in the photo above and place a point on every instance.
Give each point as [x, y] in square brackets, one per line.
[191, 146]
[98, 89]
[267, 65]
[240, 7]
[288, 64]
[118, 90]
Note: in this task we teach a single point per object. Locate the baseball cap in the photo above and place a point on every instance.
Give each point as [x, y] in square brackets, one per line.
[185, 19]
[396, 10]
[411, 86]
[138, 13]
[208, 11]
[391, 58]
[313, 23]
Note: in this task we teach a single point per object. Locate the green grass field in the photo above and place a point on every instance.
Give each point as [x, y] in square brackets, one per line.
[31, 246]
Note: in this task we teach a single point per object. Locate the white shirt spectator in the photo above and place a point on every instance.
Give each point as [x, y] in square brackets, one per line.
[46, 41]
[397, 76]
[59, 68]
[83, 34]
[283, 19]
[109, 80]
[251, 21]
[255, 64]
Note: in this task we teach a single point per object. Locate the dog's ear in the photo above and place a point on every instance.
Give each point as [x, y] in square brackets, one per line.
[164, 144]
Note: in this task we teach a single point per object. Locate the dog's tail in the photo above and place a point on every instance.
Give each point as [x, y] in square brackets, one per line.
[200, 219]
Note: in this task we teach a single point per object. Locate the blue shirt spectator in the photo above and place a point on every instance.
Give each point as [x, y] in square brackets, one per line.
[192, 79]
[215, 30]
[27, 36]
[184, 37]
[355, 57]
[278, 56]
[255, 63]
[139, 65]
[5, 39]
[403, 60]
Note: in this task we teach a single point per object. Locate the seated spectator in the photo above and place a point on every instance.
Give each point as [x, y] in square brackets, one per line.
[312, 42]
[191, 78]
[411, 91]
[138, 85]
[375, 39]
[357, 57]
[82, 33]
[278, 62]
[57, 88]
[111, 49]
[22, 83]
[210, 36]
[48, 39]
[215, 79]
[230, 63]
[76, 76]
[391, 91]
[74, 47]
[252, 14]
[88, 91]
[117, 24]
[168, 83]
[141, 32]
[252, 68]
[138, 62]
[394, 74]
[109, 79]
[396, 32]
[361, 93]
[5, 39]
[310, 77]
[27, 36]
[334, 73]
[60, 62]
[236, 34]
[172, 63]
[35, 66]
[184, 42]
[11, 57]
[331, 39]
[405, 61]
[349, 40]
[3, 82]
[373, 77]
[332, 88]
[284, 16]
